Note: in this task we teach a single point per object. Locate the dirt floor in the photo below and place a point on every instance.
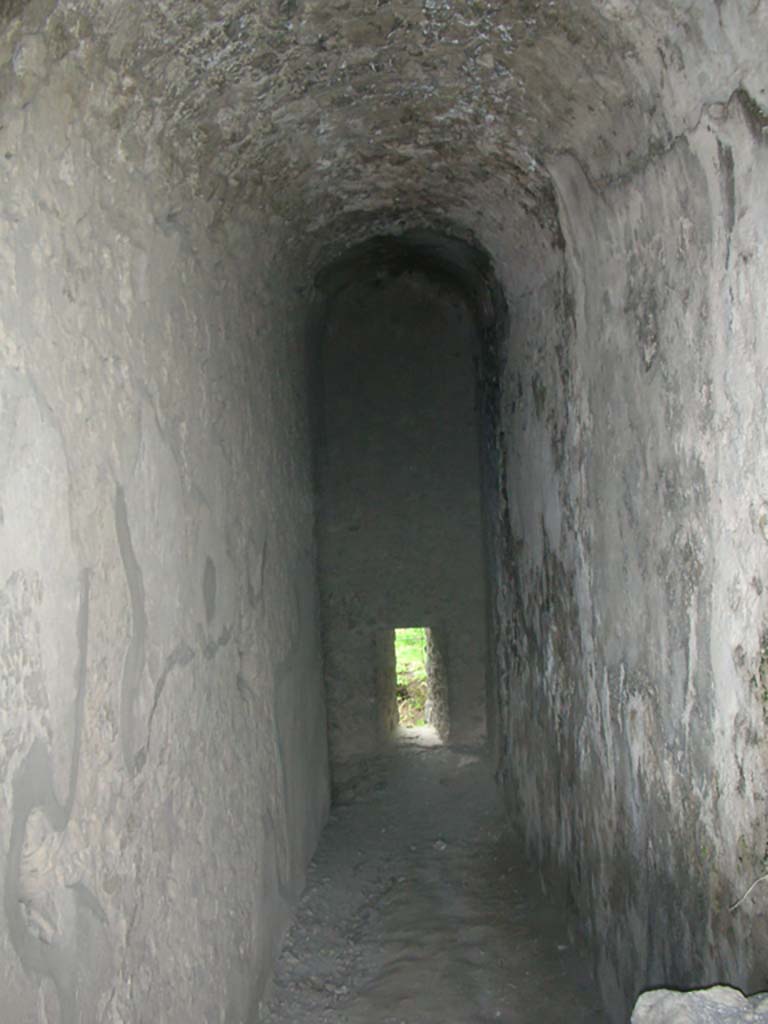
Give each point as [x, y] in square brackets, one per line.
[420, 908]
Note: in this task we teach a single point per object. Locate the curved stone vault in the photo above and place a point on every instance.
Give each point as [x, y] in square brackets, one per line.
[193, 196]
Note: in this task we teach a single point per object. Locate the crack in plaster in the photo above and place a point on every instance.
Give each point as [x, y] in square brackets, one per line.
[179, 657]
[135, 655]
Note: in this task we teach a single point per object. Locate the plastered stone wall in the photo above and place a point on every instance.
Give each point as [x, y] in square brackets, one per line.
[162, 733]
[173, 175]
[399, 506]
[630, 551]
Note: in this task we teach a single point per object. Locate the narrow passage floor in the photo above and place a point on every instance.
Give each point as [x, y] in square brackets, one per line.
[420, 908]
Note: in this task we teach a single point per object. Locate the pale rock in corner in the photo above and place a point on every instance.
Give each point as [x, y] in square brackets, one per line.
[715, 1005]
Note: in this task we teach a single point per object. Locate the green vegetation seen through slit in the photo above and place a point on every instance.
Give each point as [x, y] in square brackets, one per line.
[411, 668]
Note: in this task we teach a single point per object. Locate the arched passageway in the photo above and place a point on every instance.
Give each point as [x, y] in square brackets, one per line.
[400, 333]
[190, 192]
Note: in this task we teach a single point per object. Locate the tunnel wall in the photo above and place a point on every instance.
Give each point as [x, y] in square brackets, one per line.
[162, 729]
[399, 513]
[630, 455]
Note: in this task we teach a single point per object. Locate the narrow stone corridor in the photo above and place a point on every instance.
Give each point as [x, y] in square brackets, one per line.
[422, 909]
[319, 320]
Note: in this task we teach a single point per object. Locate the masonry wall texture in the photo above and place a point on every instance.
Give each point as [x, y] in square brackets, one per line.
[173, 177]
[399, 500]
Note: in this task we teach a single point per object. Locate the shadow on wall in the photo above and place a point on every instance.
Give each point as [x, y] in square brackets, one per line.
[399, 327]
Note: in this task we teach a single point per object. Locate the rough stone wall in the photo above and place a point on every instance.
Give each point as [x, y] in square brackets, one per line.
[162, 733]
[399, 509]
[630, 544]
[439, 714]
[386, 670]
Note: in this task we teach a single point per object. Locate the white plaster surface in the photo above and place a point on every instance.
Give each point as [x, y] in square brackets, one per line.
[162, 730]
[630, 588]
